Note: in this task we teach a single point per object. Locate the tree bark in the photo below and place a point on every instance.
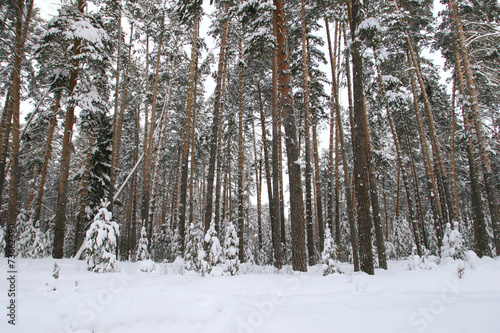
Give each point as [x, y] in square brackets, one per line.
[241, 159]
[307, 142]
[480, 229]
[347, 177]
[115, 144]
[187, 136]
[299, 258]
[148, 156]
[277, 214]
[361, 146]
[490, 181]
[62, 197]
[432, 187]
[215, 126]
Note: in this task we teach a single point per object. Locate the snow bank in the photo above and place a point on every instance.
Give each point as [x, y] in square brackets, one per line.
[258, 300]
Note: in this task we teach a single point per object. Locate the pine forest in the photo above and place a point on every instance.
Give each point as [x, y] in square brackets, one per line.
[214, 135]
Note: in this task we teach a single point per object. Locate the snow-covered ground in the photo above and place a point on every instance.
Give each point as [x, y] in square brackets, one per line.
[257, 300]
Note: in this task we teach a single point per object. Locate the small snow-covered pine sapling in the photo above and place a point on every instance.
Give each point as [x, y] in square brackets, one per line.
[100, 242]
[194, 253]
[452, 243]
[231, 259]
[32, 242]
[142, 246]
[329, 255]
[214, 255]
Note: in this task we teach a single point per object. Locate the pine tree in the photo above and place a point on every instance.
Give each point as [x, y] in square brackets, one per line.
[215, 253]
[329, 255]
[142, 247]
[402, 238]
[231, 245]
[194, 254]
[101, 241]
[32, 243]
[453, 243]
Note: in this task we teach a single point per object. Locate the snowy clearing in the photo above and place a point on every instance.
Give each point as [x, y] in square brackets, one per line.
[257, 300]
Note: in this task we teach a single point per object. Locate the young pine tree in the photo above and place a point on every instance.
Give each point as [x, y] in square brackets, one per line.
[329, 255]
[231, 244]
[100, 242]
[142, 246]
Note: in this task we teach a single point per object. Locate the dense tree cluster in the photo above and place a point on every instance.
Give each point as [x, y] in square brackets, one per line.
[374, 158]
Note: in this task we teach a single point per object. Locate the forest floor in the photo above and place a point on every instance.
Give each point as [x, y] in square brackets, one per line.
[257, 300]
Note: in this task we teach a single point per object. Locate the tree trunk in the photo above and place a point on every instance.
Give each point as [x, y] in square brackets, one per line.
[215, 126]
[62, 195]
[307, 159]
[277, 210]
[273, 217]
[148, 155]
[480, 229]
[361, 146]
[241, 159]
[319, 204]
[115, 144]
[299, 258]
[347, 178]
[117, 131]
[490, 182]
[257, 165]
[432, 187]
[193, 149]
[187, 136]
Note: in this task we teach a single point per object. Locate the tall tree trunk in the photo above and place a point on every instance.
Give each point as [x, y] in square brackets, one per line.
[307, 159]
[400, 167]
[417, 191]
[117, 131]
[273, 211]
[379, 229]
[453, 154]
[148, 156]
[332, 191]
[241, 159]
[258, 184]
[432, 187]
[193, 149]
[220, 167]
[361, 146]
[62, 195]
[317, 182]
[115, 144]
[299, 258]
[187, 136]
[490, 181]
[277, 210]
[440, 171]
[215, 125]
[280, 178]
[347, 177]
[15, 105]
[480, 229]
